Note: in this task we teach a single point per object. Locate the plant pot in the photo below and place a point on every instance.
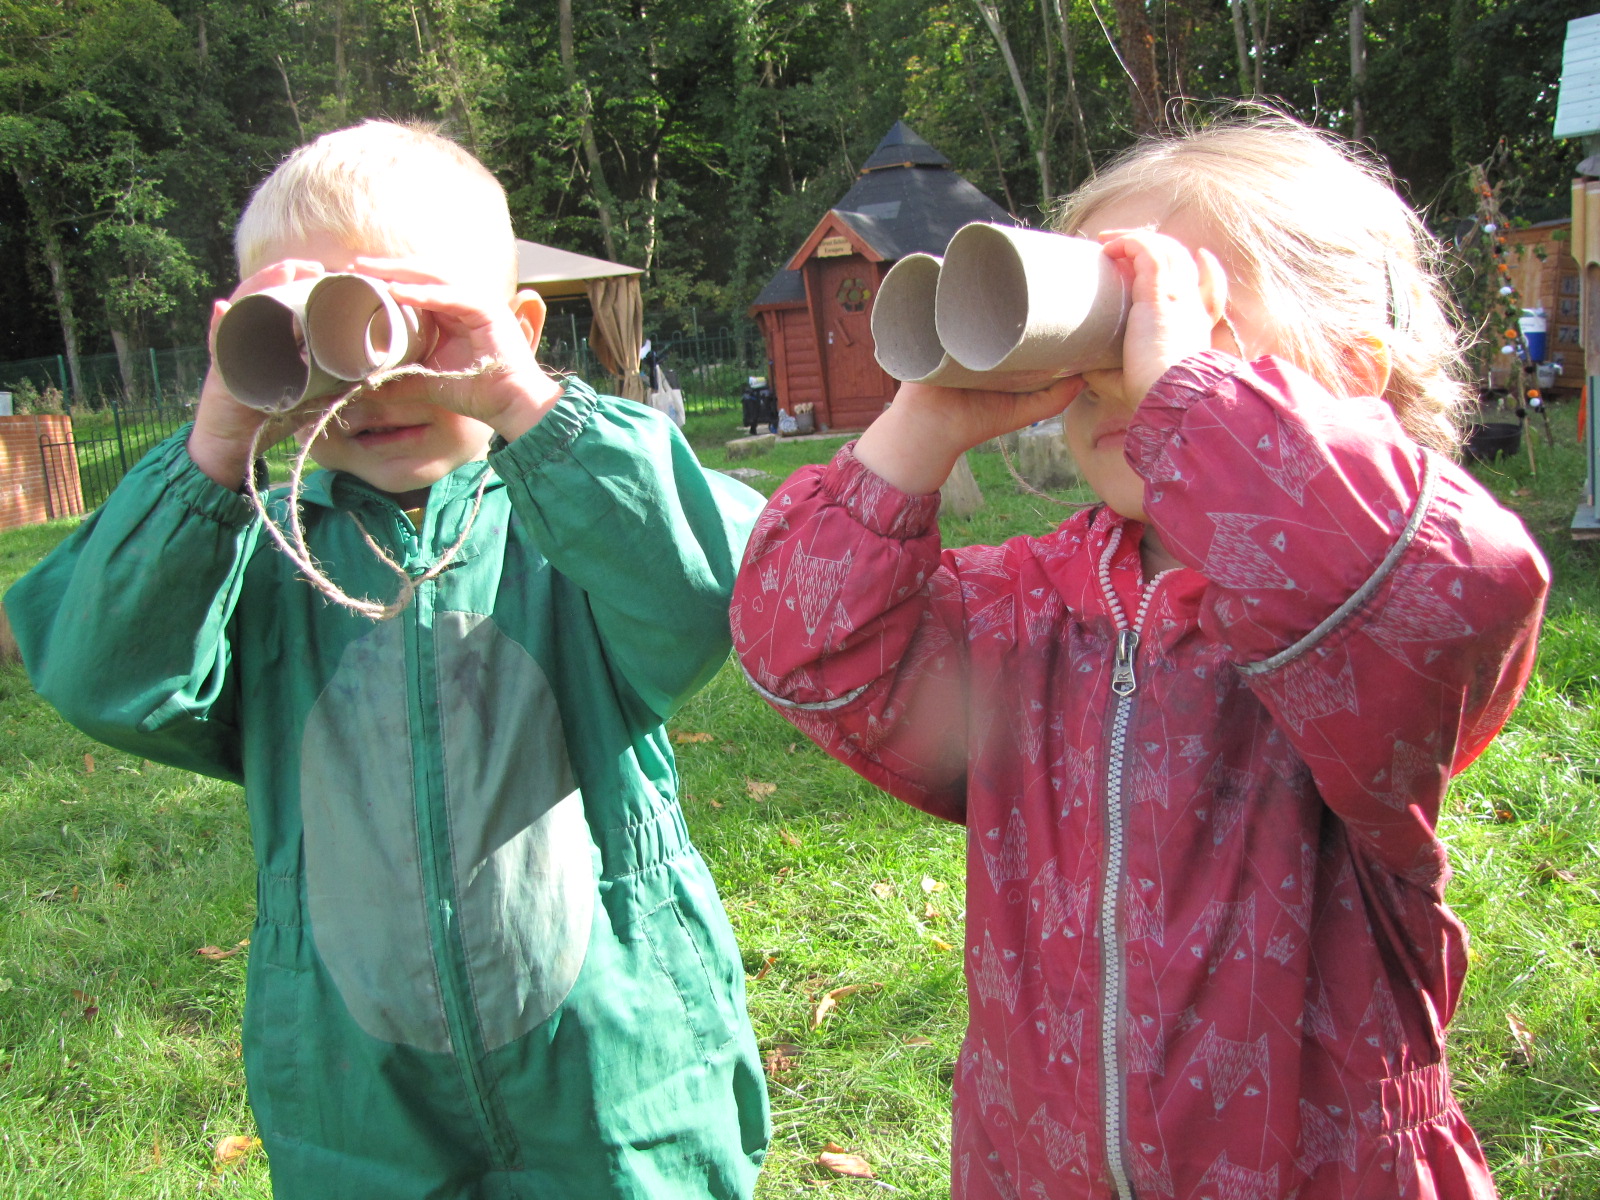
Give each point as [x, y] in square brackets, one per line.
[1489, 440]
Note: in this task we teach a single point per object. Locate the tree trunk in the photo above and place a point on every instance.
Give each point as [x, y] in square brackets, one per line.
[125, 360]
[1358, 68]
[340, 71]
[591, 146]
[1139, 58]
[1080, 127]
[1242, 48]
[55, 262]
[990, 13]
[288, 91]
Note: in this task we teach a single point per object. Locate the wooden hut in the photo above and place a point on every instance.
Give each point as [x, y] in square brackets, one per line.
[816, 312]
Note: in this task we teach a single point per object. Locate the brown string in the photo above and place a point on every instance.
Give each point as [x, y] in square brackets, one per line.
[294, 546]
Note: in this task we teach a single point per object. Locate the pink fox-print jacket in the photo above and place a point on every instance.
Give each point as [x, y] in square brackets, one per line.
[1207, 952]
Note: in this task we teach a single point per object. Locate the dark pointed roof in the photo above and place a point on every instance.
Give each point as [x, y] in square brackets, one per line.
[902, 146]
[907, 199]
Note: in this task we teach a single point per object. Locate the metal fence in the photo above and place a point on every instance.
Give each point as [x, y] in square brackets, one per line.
[117, 419]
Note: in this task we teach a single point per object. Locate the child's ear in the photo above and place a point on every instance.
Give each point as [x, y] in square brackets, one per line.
[529, 309]
[1367, 363]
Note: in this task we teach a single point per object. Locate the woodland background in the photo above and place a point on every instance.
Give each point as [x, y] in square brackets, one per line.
[698, 139]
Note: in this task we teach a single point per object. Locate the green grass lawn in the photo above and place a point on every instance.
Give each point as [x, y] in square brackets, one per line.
[119, 1067]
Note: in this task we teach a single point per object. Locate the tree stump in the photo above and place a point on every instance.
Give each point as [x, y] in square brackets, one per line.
[960, 495]
[1042, 458]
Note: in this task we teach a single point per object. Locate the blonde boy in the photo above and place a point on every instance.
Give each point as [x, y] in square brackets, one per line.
[487, 962]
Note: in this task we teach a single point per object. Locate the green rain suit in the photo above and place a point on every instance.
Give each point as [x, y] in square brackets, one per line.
[487, 963]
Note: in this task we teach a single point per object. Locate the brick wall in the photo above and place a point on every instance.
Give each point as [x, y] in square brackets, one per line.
[24, 496]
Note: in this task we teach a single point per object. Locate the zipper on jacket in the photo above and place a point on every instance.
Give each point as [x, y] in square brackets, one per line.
[438, 872]
[1124, 683]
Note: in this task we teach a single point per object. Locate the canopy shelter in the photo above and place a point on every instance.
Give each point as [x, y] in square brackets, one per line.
[617, 331]
[816, 312]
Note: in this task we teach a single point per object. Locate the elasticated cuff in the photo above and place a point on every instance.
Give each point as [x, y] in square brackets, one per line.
[553, 436]
[192, 487]
[881, 507]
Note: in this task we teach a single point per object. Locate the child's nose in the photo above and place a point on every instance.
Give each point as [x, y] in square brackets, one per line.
[1103, 386]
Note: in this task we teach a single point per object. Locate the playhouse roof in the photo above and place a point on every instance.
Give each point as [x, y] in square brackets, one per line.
[906, 199]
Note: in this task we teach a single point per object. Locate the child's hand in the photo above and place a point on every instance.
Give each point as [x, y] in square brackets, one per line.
[1178, 297]
[224, 428]
[915, 444]
[476, 327]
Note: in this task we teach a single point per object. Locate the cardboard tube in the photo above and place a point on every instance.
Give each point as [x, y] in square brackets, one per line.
[1015, 300]
[907, 343]
[355, 329]
[261, 352]
[303, 341]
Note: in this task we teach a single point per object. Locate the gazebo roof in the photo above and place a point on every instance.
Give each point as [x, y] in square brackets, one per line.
[555, 274]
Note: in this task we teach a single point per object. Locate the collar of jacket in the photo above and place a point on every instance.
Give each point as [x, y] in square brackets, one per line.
[339, 490]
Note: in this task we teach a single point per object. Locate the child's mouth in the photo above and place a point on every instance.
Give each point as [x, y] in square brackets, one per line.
[379, 435]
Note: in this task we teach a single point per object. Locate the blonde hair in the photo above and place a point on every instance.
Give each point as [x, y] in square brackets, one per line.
[385, 188]
[1316, 230]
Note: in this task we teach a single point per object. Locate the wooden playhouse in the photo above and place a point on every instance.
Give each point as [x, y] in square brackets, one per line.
[816, 312]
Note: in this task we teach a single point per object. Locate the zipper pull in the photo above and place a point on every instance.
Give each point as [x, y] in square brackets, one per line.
[1122, 680]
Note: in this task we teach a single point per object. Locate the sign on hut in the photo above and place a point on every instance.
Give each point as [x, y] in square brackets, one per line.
[816, 312]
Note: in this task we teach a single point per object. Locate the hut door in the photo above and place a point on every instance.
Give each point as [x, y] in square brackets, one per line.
[857, 387]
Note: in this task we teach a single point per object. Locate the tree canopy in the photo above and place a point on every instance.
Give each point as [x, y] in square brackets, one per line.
[699, 139]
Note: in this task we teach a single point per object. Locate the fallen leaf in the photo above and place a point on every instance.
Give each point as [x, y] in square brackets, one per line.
[766, 966]
[941, 944]
[1525, 1045]
[830, 1001]
[931, 913]
[714, 803]
[777, 1063]
[931, 885]
[685, 738]
[81, 997]
[230, 1150]
[217, 953]
[919, 1041]
[1548, 872]
[88, 764]
[759, 790]
[883, 891]
[788, 836]
[842, 1162]
[5, 984]
[793, 746]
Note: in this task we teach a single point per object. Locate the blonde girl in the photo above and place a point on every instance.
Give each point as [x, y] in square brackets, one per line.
[1199, 734]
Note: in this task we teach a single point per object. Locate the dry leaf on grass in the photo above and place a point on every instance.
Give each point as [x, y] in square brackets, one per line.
[919, 1041]
[1525, 1044]
[932, 913]
[230, 1150]
[830, 1001]
[931, 885]
[759, 790]
[883, 891]
[88, 764]
[842, 1162]
[217, 953]
[765, 967]
[941, 945]
[780, 1059]
[789, 837]
[684, 738]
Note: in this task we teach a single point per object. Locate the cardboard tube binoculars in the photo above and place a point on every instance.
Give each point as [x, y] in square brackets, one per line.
[312, 338]
[1006, 309]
